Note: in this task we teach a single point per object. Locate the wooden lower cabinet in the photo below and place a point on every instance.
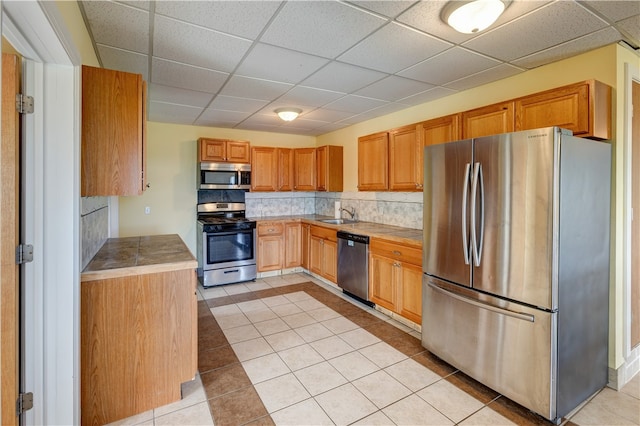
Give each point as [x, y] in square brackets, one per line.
[323, 252]
[271, 246]
[305, 241]
[395, 278]
[292, 244]
[138, 340]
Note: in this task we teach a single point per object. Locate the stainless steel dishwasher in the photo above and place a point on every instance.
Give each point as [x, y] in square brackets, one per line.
[353, 265]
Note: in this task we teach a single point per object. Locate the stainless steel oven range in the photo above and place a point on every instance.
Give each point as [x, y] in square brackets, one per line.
[226, 244]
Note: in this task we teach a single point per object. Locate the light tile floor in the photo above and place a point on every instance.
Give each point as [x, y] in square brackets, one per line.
[290, 359]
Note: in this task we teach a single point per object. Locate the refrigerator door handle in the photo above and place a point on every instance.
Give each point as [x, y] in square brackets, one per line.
[475, 244]
[465, 196]
[483, 305]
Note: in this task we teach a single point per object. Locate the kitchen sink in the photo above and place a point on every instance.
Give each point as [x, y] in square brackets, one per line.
[338, 221]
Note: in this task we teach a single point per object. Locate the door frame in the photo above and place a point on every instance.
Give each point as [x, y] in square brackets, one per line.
[631, 356]
[52, 330]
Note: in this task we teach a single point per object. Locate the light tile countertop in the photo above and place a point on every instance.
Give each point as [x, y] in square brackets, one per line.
[120, 257]
[376, 230]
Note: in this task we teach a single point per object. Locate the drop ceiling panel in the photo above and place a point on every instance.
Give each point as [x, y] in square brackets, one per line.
[124, 60]
[579, 45]
[278, 64]
[484, 77]
[206, 48]
[427, 96]
[393, 88]
[393, 48]
[118, 25]
[354, 104]
[174, 95]
[172, 113]
[323, 28]
[216, 115]
[301, 95]
[253, 88]
[240, 18]
[328, 115]
[444, 67]
[615, 10]
[231, 103]
[539, 30]
[632, 27]
[390, 9]
[342, 77]
[169, 73]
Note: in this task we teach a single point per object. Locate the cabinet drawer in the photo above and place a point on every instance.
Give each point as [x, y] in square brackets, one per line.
[324, 233]
[396, 251]
[270, 228]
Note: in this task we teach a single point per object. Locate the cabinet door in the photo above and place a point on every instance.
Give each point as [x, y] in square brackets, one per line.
[292, 244]
[584, 108]
[373, 161]
[329, 168]
[264, 169]
[405, 160]
[304, 169]
[306, 240]
[322, 154]
[285, 169]
[237, 152]
[112, 133]
[270, 250]
[382, 277]
[410, 297]
[212, 150]
[490, 120]
[330, 260]
[315, 254]
[439, 130]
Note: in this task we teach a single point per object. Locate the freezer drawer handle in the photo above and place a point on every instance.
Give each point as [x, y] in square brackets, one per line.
[518, 315]
[465, 196]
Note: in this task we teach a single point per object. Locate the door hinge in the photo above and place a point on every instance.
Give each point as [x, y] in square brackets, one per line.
[24, 254]
[24, 104]
[24, 403]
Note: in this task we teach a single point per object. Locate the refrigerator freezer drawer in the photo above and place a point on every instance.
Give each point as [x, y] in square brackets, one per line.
[506, 346]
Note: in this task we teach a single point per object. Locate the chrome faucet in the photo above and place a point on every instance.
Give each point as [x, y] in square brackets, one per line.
[351, 212]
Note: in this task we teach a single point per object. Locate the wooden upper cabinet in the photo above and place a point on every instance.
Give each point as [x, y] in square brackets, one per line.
[373, 161]
[304, 166]
[489, 120]
[405, 159]
[439, 130]
[264, 169]
[285, 169]
[223, 150]
[584, 108]
[329, 168]
[113, 133]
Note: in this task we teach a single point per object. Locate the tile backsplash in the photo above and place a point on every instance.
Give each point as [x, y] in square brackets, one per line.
[389, 208]
[94, 226]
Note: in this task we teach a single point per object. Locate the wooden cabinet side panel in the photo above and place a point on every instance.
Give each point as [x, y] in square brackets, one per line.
[600, 111]
[136, 343]
[373, 162]
[306, 240]
[112, 132]
[489, 120]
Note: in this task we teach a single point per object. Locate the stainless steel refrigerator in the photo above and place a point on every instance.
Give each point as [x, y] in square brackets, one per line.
[516, 264]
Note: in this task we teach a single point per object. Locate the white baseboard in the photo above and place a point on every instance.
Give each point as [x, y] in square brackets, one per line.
[621, 376]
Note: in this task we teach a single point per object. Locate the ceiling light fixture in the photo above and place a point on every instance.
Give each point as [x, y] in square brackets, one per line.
[288, 114]
[470, 17]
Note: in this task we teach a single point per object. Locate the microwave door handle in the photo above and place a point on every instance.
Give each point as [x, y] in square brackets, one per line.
[465, 230]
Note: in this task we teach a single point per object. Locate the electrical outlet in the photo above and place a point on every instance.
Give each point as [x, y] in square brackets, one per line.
[147, 210]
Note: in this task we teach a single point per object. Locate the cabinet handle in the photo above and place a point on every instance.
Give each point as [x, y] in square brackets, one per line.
[397, 253]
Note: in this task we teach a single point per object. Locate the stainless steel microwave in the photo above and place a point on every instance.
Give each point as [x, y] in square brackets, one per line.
[224, 176]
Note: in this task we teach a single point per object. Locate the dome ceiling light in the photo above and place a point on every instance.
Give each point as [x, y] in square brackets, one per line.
[470, 17]
[288, 114]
